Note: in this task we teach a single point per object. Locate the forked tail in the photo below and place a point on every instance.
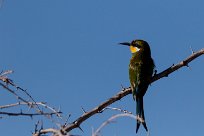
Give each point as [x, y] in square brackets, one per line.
[140, 114]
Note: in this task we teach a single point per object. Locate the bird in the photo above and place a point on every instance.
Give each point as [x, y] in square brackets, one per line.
[141, 69]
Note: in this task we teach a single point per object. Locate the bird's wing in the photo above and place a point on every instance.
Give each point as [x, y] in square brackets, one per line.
[135, 76]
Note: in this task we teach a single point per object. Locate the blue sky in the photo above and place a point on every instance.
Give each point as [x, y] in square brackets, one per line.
[66, 53]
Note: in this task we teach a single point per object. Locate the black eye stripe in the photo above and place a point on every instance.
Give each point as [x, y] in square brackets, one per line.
[137, 45]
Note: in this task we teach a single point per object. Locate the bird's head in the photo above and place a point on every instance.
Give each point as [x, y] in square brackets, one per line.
[137, 46]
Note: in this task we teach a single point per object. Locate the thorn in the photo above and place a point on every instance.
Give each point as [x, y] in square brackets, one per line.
[100, 111]
[192, 52]
[188, 67]
[83, 109]
[44, 102]
[122, 87]
[69, 116]
[41, 125]
[65, 124]
[80, 128]
[148, 132]
[1, 72]
[59, 109]
[186, 64]
[155, 72]
[36, 126]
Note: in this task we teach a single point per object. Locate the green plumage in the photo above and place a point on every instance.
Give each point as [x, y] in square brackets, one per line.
[140, 72]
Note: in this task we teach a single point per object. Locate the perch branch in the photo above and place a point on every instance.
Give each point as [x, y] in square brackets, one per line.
[173, 68]
[76, 124]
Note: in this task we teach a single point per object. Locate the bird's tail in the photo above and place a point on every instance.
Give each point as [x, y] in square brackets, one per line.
[140, 114]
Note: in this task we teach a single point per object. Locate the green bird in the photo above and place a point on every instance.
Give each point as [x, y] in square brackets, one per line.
[141, 68]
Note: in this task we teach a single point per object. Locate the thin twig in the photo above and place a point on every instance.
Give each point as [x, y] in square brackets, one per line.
[15, 94]
[27, 114]
[22, 101]
[117, 109]
[45, 131]
[10, 82]
[19, 103]
[111, 119]
[50, 108]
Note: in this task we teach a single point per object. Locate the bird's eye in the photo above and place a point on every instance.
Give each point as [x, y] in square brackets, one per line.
[137, 45]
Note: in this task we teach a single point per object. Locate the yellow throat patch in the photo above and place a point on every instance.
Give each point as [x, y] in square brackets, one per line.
[134, 49]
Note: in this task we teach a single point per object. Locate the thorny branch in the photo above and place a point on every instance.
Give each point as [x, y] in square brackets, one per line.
[31, 104]
[126, 91]
[110, 120]
[9, 85]
[28, 114]
[100, 108]
[173, 68]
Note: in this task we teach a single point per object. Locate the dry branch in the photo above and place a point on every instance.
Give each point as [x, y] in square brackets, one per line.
[111, 119]
[49, 130]
[12, 88]
[173, 68]
[30, 104]
[127, 91]
[100, 108]
[28, 114]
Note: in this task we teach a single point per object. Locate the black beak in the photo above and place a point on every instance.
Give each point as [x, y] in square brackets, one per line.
[125, 43]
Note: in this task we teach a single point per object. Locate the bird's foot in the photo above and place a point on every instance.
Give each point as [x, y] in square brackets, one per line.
[141, 120]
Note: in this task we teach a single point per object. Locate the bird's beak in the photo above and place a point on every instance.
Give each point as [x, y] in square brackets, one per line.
[125, 43]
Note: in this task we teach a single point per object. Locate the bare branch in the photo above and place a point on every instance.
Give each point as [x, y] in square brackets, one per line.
[15, 94]
[127, 91]
[8, 83]
[27, 114]
[96, 110]
[50, 108]
[173, 68]
[111, 119]
[49, 130]
[118, 109]
[76, 124]
[21, 103]
[4, 73]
